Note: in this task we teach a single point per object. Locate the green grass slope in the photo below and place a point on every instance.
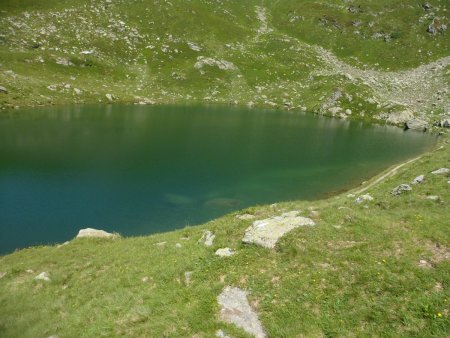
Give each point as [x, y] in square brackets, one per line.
[292, 54]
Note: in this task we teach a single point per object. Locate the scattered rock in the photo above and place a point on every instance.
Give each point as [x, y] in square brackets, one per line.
[188, 277]
[2, 274]
[235, 309]
[433, 198]
[416, 124]
[144, 279]
[440, 171]
[178, 245]
[221, 334]
[268, 231]
[425, 264]
[438, 287]
[224, 252]
[43, 276]
[400, 189]
[89, 232]
[160, 243]
[207, 238]
[221, 64]
[110, 97]
[29, 271]
[427, 7]
[418, 179]
[87, 52]
[194, 47]
[64, 62]
[78, 91]
[3, 90]
[364, 198]
[245, 217]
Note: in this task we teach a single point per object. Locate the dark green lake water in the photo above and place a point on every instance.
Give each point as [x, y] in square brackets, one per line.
[139, 169]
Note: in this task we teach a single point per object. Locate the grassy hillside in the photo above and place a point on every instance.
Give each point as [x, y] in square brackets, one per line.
[292, 54]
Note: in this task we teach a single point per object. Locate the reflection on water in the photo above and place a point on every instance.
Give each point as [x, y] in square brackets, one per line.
[139, 169]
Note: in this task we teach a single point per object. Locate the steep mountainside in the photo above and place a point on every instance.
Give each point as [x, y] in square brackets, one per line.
[372, 59]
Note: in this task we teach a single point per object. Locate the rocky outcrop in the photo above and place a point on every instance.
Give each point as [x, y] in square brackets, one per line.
[268, 231]
[235, 309]
[94, 233]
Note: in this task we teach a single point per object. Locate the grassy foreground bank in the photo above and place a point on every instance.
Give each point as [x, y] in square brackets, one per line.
[380, 268]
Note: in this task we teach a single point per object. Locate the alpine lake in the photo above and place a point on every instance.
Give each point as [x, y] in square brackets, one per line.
[138, 170]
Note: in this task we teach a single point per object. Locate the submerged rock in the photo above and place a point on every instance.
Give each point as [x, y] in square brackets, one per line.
[401, 189]
[235, 309]
[419, 179]
[268, 231]
[89, 232]
[207, 238]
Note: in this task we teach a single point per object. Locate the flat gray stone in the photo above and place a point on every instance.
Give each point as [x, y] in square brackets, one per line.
[418, 179]
[94, 233]
[440, 171]
[207, 238]
[268, 231]
[401, 189]
[224, 252]
[235, 309]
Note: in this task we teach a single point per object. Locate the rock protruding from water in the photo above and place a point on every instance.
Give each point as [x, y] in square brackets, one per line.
[268, 231]
[224, 252]
[364, 198]
[416, 124]
[94, 233]
[440, 171]
[235, 309]
[401, 189]
[419, 179]
[43, 276]
[207, 238]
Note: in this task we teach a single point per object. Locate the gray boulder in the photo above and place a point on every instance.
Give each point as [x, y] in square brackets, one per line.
[94, 233]
[417, 124]
[224, 252]
[400, 117]
[401, 189]
[43, 276]
[440, 171]
[364, 198]
[3, 90]
[418, 179]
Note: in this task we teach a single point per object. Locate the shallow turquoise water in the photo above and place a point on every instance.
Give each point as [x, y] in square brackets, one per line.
[139, 169]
